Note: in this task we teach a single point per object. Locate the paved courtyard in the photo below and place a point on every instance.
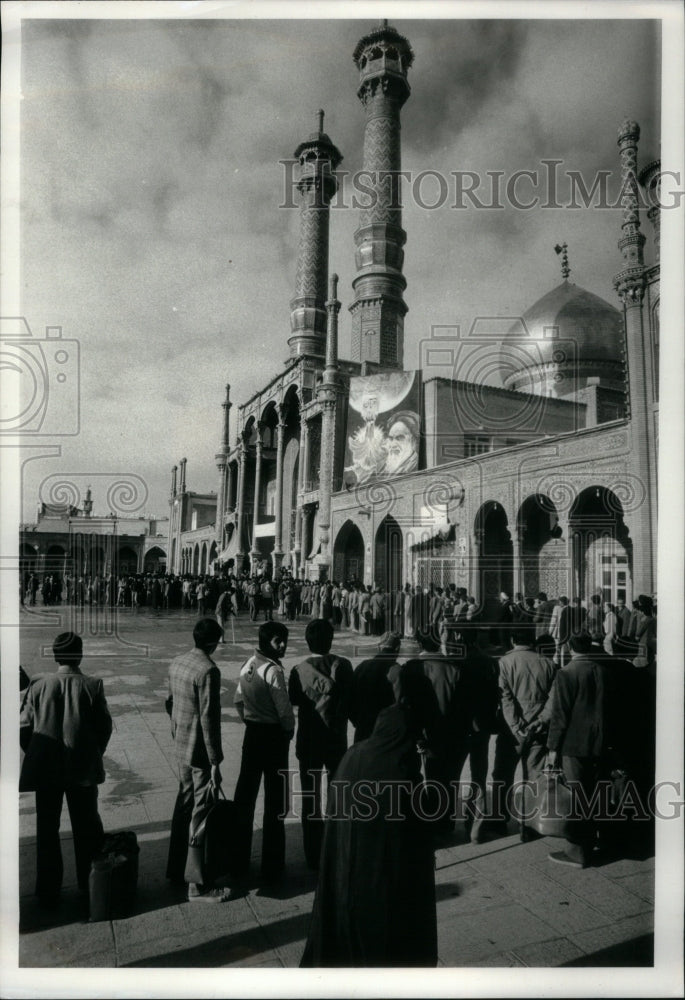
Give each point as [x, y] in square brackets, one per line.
[500, 904]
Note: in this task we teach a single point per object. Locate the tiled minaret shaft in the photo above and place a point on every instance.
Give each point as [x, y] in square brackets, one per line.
[383, 58]
[318, 159]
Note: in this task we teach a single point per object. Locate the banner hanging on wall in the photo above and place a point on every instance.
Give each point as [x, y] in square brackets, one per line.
[383, 427]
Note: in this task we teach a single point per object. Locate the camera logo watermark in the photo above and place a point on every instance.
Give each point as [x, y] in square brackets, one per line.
[40, 381]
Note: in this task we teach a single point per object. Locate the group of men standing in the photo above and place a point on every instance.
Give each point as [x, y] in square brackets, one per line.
[584, 716]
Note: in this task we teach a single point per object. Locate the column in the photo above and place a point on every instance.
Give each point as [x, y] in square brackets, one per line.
[518, 575]
[242, 473]
[229, 486]
[630, 287]
[278, 527]
[257, 487]
[297, 550]
[327, 395]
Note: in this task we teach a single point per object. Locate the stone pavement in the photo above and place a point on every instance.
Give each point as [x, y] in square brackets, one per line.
[500, 904]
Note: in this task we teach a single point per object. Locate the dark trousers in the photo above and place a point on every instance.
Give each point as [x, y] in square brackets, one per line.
[86, 826]
[582, 772]
[446, 770]
[265, 753]
[311, 782]
[193, 802]
[508, 753]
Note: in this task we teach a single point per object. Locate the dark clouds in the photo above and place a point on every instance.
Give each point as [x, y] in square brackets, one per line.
[150, 160]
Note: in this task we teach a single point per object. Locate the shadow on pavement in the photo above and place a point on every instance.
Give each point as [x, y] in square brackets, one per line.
[637, 953]
[230, 948]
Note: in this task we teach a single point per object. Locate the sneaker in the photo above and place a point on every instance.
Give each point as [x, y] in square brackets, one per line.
[560, 858]
[198, 894]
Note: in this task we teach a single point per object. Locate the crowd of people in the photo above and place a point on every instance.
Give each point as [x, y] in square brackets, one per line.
[365, 609]
[396, 793]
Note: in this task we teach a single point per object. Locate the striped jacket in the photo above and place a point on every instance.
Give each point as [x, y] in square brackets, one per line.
[195, 686]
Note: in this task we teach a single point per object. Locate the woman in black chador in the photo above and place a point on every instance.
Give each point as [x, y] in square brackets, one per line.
[375, 901]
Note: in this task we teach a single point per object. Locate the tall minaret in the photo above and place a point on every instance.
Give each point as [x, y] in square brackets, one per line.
[318, 159]
[382, 58]
[630, 286]
[221, 458]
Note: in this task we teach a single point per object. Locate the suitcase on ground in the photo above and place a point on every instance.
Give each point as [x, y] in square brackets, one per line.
[113, 878]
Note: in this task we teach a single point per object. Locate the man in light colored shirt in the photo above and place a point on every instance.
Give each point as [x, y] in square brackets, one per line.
[262, 702]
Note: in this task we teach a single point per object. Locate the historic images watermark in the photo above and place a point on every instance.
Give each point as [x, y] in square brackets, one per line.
[430, 801]
[549, 185]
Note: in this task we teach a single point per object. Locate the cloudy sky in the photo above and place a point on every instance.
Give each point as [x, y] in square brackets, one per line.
[150, 221]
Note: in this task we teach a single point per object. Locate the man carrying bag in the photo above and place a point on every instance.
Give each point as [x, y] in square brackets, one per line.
[195, 709]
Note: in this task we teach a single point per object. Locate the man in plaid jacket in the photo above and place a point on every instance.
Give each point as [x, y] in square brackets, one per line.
[195, 709]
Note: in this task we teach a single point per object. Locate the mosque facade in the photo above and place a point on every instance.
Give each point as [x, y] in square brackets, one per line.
[359, 468]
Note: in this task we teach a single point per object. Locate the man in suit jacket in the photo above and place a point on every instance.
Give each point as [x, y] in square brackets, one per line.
[195, 709]
[65, 728]
[525, 679]
[576, 735]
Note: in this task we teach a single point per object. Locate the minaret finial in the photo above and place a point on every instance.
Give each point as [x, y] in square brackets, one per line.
[319, 116]
[565, 269]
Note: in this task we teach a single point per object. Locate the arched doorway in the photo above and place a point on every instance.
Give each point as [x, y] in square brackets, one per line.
[543, 550]
[348, 554]
[602, 548]
[389, 555]
[203, 559]
[155, 560]
[127, 561]
[495, 555]
[196, 560]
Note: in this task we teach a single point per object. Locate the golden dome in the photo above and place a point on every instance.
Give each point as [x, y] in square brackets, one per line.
[568, 333]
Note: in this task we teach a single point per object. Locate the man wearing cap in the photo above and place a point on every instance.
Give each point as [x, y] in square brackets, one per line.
[320, 687]
[371, 689]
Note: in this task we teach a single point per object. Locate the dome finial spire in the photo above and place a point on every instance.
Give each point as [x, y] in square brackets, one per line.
[565, 269]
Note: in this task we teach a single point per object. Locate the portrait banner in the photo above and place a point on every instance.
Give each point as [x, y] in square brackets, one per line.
[383, 427]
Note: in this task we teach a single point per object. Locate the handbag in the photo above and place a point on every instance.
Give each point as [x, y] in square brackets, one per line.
[547, 805]
[220, 834]
[113, 877]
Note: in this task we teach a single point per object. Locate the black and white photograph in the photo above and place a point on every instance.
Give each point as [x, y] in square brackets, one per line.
[342, 499]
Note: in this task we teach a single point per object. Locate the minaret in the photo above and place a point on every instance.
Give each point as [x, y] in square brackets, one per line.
[221, 457]
[173, 512]
[181, 502]
[630, 286]
[327, 396]
[318, 159]
[88, 504]
[383, 58]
